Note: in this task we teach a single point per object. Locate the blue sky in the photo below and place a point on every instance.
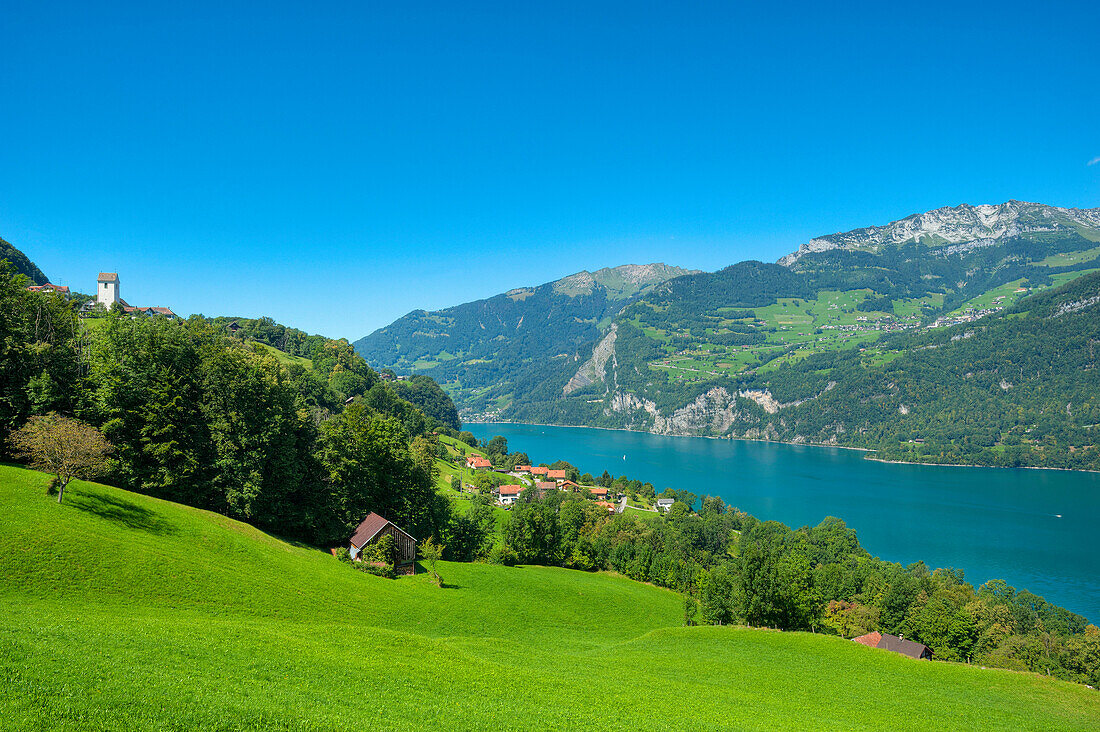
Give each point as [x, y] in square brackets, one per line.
[336, 167]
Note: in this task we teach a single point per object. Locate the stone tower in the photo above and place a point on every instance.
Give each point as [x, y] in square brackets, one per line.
[107, 289]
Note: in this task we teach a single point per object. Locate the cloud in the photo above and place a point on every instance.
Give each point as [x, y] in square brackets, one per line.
[1094, 161]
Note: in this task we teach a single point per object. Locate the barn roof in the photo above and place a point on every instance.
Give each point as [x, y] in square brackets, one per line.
[892, 643]
[871, 640]
[902, 646]
[369, 529]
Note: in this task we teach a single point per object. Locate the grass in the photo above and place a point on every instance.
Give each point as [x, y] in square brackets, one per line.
[1070, 258]
[286, 358]
[124, 612]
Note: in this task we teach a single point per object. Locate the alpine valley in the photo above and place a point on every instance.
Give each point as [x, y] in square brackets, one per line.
[965, 335]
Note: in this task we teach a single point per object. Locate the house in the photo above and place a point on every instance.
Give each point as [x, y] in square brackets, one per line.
[556, 474]
[895, 643]
[545, 486]
[373, 528]
[598, 492]
[608, 505]
[568, 485]
[48, 289]
[663, 504]
[539, 471]
[509, 494]
[477, 462]
[233, 327]
[522, 470]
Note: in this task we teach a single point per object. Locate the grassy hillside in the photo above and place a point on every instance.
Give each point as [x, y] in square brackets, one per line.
[127, 612]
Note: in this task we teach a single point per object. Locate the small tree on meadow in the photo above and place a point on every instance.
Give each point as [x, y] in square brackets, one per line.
[431, 552]
[64, 446]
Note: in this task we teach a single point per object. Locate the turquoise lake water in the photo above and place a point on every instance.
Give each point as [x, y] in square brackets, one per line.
[1037, 529]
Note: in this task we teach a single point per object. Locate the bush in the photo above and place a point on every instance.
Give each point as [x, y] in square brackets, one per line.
[503, 554]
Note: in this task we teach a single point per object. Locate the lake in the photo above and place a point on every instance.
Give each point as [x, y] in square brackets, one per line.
[1037, 529]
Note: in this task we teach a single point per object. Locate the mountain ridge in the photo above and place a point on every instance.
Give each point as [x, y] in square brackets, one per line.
[953, 225]
[746, 351]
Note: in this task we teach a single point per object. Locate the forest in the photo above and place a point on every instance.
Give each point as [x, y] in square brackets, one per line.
[202, 417]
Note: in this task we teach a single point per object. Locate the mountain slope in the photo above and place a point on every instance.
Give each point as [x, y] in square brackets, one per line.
[838, 345]
[167, 617]
[488, 350]
[952, 230]
[23, 265]
[748, 351]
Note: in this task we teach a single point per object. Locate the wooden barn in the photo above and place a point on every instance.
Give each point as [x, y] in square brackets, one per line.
[373, 528]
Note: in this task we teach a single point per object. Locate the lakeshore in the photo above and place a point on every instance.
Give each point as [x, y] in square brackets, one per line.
[1033, 528]
[869, 451]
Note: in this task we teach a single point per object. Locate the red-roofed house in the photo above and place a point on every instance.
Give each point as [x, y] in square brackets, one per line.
[556, 474]
[522, 469]
[373, 528]
[545, 486]
[48, 288]
[539, 471]
[598, 492]
[477, 462]
[568, 485]
[608, 505]
[509, 494]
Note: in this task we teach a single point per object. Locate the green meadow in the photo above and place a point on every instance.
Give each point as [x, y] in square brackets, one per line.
[123, 612]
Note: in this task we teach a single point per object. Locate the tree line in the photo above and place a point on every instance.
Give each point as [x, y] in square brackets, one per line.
[197, 416]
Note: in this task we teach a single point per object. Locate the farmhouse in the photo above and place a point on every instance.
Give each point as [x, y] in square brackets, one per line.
[477, 462]
[556, 474]
[894, 643]
[598, 492]
[373, 528]
[568, 485]
[509, 494]
[539, 471]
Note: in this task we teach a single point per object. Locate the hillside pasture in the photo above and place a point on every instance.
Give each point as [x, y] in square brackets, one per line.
[123, 612]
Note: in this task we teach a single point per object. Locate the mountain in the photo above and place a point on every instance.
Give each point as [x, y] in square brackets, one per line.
[869, 338]
[489, 350]
[952, 230]
[23, 265]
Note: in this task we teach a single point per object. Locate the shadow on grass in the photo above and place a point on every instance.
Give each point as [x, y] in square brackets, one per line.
[120, 511]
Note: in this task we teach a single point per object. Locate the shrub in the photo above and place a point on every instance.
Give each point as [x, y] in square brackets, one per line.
[503, 554]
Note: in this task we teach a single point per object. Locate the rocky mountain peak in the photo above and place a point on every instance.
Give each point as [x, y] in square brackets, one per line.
[956, 228]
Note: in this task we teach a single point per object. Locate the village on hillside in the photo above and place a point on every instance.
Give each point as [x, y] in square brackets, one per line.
[108, 295]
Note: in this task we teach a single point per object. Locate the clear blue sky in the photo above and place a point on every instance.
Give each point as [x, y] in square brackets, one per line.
[335, 165]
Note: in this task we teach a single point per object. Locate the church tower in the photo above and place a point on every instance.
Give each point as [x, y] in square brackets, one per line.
[107, 289]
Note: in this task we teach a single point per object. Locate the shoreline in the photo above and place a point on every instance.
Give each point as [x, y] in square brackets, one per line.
[869, 450]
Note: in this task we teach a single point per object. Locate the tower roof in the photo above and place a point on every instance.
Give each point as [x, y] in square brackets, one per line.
[108, 277]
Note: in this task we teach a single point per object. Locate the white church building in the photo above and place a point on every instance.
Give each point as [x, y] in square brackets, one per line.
[107, 293]
[107, 289]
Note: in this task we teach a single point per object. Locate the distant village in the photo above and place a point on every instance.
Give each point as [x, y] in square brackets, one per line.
[108, 294]
[546, 480]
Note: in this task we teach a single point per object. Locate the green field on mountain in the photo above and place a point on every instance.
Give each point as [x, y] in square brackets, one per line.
[125, 612]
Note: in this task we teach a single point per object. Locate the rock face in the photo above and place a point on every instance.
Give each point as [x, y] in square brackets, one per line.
[956, 229]
[594, 370]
